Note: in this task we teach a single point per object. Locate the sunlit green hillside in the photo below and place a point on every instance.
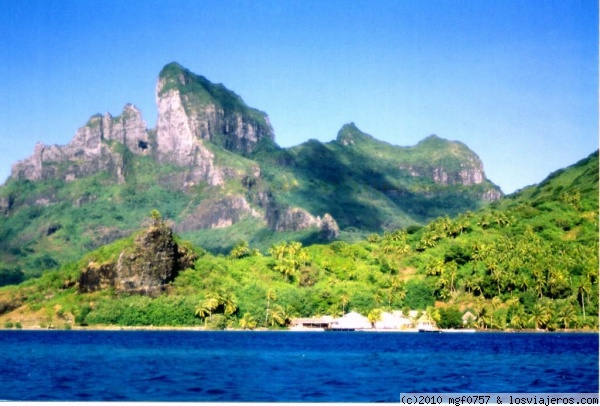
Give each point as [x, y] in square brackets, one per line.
[529, 261]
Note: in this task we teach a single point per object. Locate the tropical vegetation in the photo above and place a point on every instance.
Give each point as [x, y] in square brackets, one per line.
[528, 261]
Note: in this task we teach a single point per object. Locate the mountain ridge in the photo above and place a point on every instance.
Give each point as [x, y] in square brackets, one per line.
[527, 262]
[212, 163]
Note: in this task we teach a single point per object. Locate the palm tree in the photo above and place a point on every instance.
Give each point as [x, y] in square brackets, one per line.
[475, 283]
[202, 310]
[372, 238]
[271, 296]
[344, 299]
[374, 316]
[377, 298]
[247, 322]
[303, 256]
[399, 287]
[241, 249]
[229, 302]
[389, 293]
[496, 273]
[156, 218]
[208, 306]
[278, 251]
[287, 267]
[275, 315]
[566, 315]
[334, 310]
[496, 302]
[481, 314]
[583, 288]
[539, 315]
[540, 282]
[451, 270]
[517, 319]
[435, 267]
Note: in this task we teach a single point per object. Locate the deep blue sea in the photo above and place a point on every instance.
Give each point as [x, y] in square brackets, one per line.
[287, 366]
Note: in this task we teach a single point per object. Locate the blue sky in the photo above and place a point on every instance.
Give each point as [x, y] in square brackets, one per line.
[517, 81]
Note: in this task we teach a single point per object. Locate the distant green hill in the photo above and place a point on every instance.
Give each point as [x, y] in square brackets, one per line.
[528, 261]
[212, 168]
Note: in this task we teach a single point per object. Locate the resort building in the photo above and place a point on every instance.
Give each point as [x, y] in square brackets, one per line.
[351, 322]
[393, 321]
[425, 323]
[311, 323]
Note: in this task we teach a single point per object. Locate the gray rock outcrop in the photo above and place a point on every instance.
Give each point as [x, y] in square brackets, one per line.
[191, 110]
[217, 213]
[146, 267]
[94, 148]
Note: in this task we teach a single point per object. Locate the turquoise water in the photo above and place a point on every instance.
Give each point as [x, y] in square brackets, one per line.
[285, 366]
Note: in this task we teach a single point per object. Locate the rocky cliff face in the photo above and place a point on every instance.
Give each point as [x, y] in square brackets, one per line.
[449, 163]
[192, 110]
[297, 219]
[217, 213]
[146, 268]
[217, 154]
[93, 149]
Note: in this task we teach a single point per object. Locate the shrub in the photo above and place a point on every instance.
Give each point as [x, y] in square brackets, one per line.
[450, 317]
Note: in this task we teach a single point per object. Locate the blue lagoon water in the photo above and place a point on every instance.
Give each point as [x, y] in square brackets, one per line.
[284, 366]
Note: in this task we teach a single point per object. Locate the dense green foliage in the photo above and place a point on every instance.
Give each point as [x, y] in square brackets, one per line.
[365, 183]
[356, 178]
[527, 261]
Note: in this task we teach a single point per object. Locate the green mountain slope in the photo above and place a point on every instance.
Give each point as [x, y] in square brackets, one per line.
[530, 261]
[212, 168]
[371, 185]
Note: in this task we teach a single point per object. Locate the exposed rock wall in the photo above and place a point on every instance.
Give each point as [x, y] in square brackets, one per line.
[177, 143]
[191, 111]
[329, 228]
[195, 109]
[146, 267]
[469, 173]
[217, 213]
[90, 151]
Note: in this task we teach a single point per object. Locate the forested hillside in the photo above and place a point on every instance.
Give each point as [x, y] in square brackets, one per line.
[211, 166]
[529, 260]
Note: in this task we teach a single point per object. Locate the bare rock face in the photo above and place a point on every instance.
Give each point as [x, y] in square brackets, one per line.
[329, 228]
[297, 219]
[149, 265]
[6, 204]
[177, 143]
[97, 277]
[217, 213]
[492, 195]
[93, 149]
[470, 173]
[146, 267]
[192, 110]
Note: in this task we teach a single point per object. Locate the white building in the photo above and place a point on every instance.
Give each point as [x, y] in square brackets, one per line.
[350, 322]
[393, 321]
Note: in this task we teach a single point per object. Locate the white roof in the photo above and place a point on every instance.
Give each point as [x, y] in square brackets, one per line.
[351, 320]
[392, 321]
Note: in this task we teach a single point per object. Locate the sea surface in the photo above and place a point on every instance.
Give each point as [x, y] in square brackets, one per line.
[197, 366]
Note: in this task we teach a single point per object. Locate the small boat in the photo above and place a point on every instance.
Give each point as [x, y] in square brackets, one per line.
[461, 330]
[427, 327]
[429, 330]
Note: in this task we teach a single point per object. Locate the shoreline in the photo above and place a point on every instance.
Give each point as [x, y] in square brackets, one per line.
[260, 330]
